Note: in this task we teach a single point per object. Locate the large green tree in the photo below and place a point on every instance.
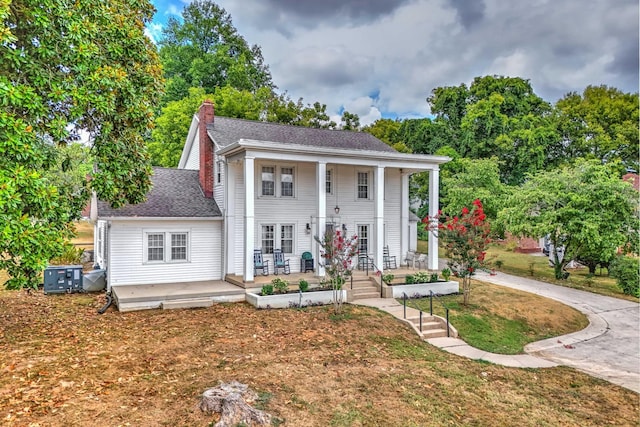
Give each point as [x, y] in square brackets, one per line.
[66, 68]
[602, 124]
[586, 209]
[475, 179]
[172, 125]
[495, 116]
[203, 49]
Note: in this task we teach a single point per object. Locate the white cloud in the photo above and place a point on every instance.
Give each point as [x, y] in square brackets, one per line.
[396, 53]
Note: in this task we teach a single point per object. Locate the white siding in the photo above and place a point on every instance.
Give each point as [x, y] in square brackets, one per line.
[218, 189]
[193, 159]
[127, 252]
[239, 223]
[392, 214]
[99, 243]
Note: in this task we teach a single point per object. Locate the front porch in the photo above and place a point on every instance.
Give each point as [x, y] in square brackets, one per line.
[205, 293]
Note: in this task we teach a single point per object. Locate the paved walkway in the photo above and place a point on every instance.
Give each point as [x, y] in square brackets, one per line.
[609, 348]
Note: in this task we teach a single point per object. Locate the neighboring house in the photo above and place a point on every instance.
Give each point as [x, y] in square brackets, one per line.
[243, 185]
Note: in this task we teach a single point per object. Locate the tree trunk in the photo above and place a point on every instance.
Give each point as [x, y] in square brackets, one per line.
[231, 401]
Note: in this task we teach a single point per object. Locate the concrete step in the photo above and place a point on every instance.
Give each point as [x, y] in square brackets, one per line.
[433, 333]
[361, 283]
[367, 290]
[187, 303]
[427, 325]
[366, 295]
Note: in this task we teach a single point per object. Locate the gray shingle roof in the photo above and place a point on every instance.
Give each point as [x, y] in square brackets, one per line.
[225, 131]
[174, 193]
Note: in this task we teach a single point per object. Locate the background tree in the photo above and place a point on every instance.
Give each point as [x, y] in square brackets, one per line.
[475, 179]
[349, 121]
[601, 124]
[388, 131]
[494, 117]
[204, 50]
[91, 69]
[586, 209]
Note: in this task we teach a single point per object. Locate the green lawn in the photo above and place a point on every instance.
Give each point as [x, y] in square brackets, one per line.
[503, 320]
[537, 267]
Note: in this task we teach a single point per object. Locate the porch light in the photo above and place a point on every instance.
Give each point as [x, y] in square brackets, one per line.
[337, 209]
[308, 229]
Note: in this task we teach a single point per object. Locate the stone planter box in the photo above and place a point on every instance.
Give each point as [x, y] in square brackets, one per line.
[293, 299]
[422, 289]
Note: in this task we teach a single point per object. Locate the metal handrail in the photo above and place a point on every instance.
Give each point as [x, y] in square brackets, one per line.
[446, 309]
[405, 297]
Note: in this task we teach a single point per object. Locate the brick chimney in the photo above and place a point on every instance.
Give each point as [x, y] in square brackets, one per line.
[206, 117]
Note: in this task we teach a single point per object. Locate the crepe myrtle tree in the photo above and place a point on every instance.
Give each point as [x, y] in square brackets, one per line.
[338, 251]
[464, 238]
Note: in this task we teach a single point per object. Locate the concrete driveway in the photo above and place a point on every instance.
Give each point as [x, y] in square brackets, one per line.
[609, 348]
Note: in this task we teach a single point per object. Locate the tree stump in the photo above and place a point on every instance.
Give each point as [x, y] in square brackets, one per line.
[232, 400]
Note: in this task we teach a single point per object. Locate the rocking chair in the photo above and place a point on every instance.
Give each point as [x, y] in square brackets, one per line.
[259, 263]
[279, 262]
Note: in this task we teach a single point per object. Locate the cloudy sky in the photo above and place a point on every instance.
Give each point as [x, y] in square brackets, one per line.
[382, 58]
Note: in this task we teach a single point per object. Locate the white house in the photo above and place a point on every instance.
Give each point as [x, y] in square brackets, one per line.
[243, 185]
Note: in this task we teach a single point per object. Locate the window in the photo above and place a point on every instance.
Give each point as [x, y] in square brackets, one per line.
[363, 185]
[268, 181]
[329, 182]
[167, 246]
[178, 246]
[268, 238]
[363, 239]
[286, 182]
[286, 238]
[218, 172]
[155, 247]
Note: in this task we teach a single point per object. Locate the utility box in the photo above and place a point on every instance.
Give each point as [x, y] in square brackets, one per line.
[94, 280]
[61, 279]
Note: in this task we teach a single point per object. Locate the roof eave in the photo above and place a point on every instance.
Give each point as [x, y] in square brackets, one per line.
[257, 145]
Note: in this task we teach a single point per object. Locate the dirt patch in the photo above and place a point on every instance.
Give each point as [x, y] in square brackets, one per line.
[63, 364]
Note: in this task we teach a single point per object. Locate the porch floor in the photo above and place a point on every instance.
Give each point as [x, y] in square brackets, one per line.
[205, 293]
[175, 295]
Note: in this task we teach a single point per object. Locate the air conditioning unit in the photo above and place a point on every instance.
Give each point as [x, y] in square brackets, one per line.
[60, 279]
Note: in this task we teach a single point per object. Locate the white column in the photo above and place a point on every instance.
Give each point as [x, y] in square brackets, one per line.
[249, 226]
[404, 214]
[321, 176]
[378, 220]
[230, 218]
[432, 256]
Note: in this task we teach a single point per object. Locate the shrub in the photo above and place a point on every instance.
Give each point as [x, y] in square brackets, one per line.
[303, 285]
[421, 277]
[70, 255]
[446, 274]
[280, 285]
[433, 278]
[409, 279]
[388, 278]
[266, 290]
[626, 271]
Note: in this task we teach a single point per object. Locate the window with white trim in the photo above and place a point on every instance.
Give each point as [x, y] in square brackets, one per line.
[268, 179]
[286, 182]
[363, 185]
[329, 181]
[286, 238]
[170, 246]
[268, 238]
[363, 238]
